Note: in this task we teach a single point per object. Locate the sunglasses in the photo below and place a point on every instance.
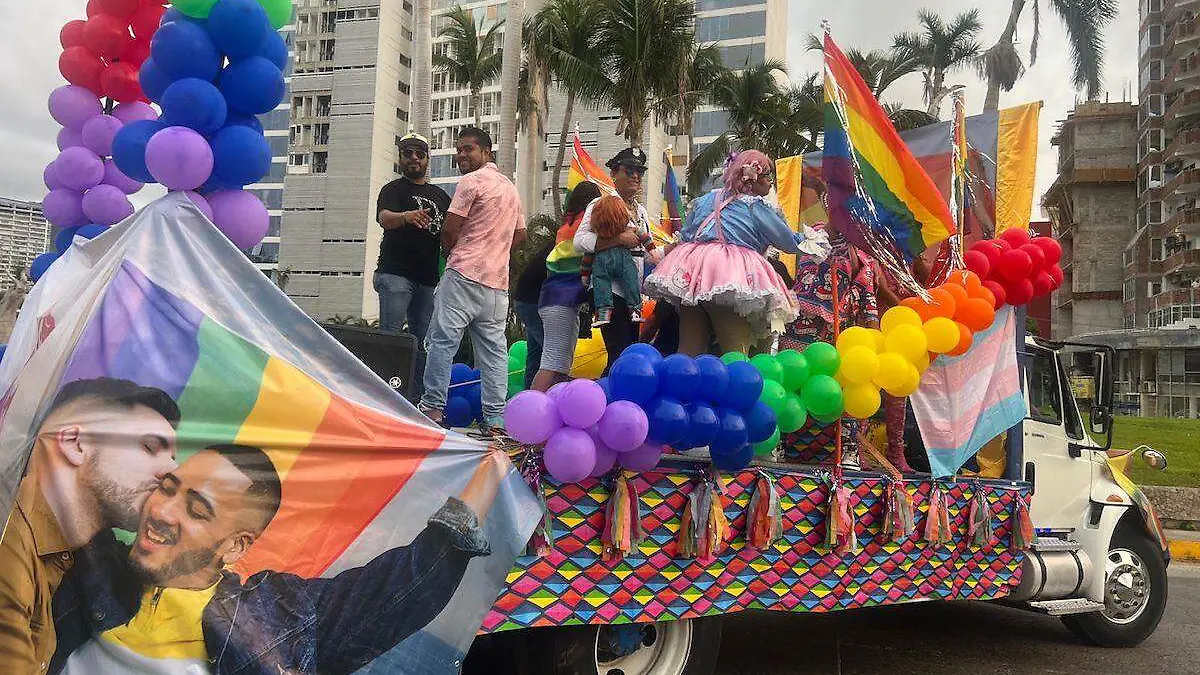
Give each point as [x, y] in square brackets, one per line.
[635, 171]
[414, 153]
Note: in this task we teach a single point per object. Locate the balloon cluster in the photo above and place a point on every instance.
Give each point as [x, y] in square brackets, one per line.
[465, 402]
[214, 65]
[584, 434]
[1016, 268]
[103, 53]
[589, 361]
[795, 386]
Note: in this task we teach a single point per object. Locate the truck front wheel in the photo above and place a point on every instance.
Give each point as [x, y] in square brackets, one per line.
[1135, 593]
[666, 648]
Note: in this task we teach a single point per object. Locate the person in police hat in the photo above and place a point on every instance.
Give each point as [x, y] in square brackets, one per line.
[627, 169]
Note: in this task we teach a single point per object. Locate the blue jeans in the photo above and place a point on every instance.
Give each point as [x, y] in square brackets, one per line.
[614, 264]
[403, 301]
[461, 305]
[535, 336]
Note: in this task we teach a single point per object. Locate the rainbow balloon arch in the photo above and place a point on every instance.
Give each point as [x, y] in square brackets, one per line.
[210, 66]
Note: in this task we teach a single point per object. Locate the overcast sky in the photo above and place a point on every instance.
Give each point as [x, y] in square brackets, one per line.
[29, 69]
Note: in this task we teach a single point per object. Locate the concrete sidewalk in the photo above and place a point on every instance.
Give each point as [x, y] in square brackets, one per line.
[1184, 544]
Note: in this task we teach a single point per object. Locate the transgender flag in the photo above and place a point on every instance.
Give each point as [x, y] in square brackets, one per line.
[968, 400]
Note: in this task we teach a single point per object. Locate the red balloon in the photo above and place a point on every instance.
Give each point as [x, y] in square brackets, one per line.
[71, 34]
[978, 262]
[1016, 236]
[119, 8]
[145, 20]
[1057, 274]
[1015, 265]
[1051, 248]
[1036, 255]
[999, 295]
[106, 36]
[120, 82]
[1019, 292]
[93, 8]
[136, 53]
[79, 66]
[1043, 283]
[1001, 244]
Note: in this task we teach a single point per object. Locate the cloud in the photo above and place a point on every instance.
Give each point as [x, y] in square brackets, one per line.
[1048, 80]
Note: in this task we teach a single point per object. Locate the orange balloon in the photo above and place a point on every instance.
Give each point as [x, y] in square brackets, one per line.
[960, 294]
[964, 341]
[967, 279]
[986, 294]
[975, 313]
[944, 303]
[919, 306]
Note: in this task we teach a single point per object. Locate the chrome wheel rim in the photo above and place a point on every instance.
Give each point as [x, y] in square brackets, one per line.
[662, 649]
[1126, 586]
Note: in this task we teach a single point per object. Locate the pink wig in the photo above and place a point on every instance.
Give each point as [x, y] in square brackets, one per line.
[744, 169]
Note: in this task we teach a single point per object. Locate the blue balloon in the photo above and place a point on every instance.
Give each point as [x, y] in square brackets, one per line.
[668, 421]
[734, 460]
[91, 231]
[458, 412]
[183, 49]
[745, 386]
[633, 379]
[129, 148]
[732, 434]
[703, 425]
[760, 422]
[713, 377]
[153, 80]
[680, 376]
[606, 385]
[275, 50]
[647, 350]
[62, 240]
[173, 14]
[253, 86]
[40, 264]
[474, 392]
[238, 27]
[195, 104]
[459, 373]
[241, 156]
[237, 118]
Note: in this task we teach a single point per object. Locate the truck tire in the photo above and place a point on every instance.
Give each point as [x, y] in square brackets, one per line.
[688, 647]
[1135, 593]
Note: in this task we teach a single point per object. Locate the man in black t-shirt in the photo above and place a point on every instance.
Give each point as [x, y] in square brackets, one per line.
[411, 212]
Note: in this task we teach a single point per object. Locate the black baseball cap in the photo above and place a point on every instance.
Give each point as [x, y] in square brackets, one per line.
[635, 157]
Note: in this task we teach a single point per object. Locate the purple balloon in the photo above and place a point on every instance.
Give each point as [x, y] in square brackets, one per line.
[79, 168]
[98, 133]
[556, 391]
[530, 417]
[113, 176]
[570, 455]
[582, 404]
[624, 426]
[70, 137]
[106, 205]
[134, 111]
[201, 203]
[179, 158]
[643, 458]
[64, 208]
[606, 459]
[242, 217]
[50, 177]
[71, 105]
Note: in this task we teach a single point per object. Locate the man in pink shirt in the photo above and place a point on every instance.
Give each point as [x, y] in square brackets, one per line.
[484, 224]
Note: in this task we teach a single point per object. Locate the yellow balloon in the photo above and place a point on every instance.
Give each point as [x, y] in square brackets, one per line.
[911, 383]
[941, 333]
[860, 364]
[893, 371]
[855, 336]
[878, 335]
[923, 363]
[899, 316]
[590, 357]
[861, 400]
[906, 340]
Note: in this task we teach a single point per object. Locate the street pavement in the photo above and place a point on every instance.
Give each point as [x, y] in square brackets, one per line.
[968, 638]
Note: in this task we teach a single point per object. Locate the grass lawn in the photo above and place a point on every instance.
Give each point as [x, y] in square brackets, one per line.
[1179, 440]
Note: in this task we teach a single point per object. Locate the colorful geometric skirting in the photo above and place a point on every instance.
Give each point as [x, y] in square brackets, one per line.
[573, 585]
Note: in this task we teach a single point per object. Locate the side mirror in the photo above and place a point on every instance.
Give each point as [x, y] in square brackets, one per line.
[1100, 419]
[1153, 458]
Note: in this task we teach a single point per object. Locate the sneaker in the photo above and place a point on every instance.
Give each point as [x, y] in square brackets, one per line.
[603, 317]
[635, 316]
[850, 459]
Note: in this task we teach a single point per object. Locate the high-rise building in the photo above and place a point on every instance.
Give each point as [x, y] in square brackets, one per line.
[276, 127]
[25, 234]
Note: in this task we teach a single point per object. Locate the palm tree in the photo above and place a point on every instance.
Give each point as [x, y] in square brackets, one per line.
[562, 38]
[510, 72]
[420, 98]
[941, 48]
[880, 70]
[473, 59]
[698, 74]
[642, 44]
[1085, 21]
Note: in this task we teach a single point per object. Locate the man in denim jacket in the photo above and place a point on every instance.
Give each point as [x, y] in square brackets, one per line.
[204, 517]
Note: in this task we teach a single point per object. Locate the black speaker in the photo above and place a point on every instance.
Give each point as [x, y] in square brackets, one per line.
[392, 356]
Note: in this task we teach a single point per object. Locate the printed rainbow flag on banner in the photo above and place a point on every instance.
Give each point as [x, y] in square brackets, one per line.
[879, 197]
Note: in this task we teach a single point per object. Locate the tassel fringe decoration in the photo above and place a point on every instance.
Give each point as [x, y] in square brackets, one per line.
[899, 522]
[839, 519]
[764, 516]
[623, 520]
[542, 539]
[704, 528]
[937, 521]
[980, 519]
[1022, 526]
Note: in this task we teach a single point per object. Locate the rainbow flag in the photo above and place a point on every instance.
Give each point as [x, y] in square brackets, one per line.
[672, 209]
[880, 197]
[584, 168]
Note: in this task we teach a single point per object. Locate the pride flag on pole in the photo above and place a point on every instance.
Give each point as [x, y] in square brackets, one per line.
[672, 209]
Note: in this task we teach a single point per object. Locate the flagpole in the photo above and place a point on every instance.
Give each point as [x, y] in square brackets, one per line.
[958, 153]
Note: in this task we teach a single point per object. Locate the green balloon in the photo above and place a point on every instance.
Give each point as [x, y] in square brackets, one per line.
[516, 383]
[198, 8]
[731, 357]
[769, 367]
[793, 415]
[795, 369]
[278, 11]
[822, 359]
[773, 395]
[517, 353]
[822, 396]
[768, 446]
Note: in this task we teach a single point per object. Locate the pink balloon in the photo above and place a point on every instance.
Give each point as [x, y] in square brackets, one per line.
[64, 208]
[50, 178]
[201, 203]
[115, 177]
[570, 455]
[244, 219]
[79, 168]
[642, 458]
[98, 133]
[134, 111]
[106, 205]
[179, 158]
[72, 105]
[70, 137]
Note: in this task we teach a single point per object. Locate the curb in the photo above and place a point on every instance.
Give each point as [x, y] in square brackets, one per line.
[1184, 551]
